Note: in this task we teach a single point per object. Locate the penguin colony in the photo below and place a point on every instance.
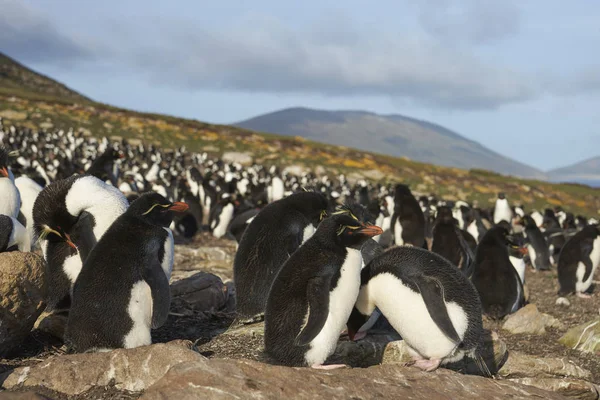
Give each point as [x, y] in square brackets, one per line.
[311, 263]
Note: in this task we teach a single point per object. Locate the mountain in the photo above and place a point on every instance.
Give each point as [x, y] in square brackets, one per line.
[16, 79]
[394, 135]
[586, 172]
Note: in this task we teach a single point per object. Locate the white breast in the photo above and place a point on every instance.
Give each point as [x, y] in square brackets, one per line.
[10, 201]
[140, 312]
[532, 255]
[472, 229]
[19, 237]
[519, 266]
[224, 220]
[309, 230]
[502, 211]
[398, 233]
[278, 189]
[341, 302]
[407, 313]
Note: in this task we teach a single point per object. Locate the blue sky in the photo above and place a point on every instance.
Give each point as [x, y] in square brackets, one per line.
[522, 78]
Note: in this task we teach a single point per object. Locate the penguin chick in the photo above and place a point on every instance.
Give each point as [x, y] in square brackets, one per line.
[313, 294]
[123, 288]
[427, 300]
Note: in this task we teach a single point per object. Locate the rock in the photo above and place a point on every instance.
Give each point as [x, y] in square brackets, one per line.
[21, 396]
[396, 352]
[200, 292]
[251, 330]
[46, 125]
[521, 365]
[54, 324]
[570, 388]
[562, 301]
[366, 352]
[125, 369]
[295, 170]
[13, 115]
[22, 294]
[241, 379]
[584, 337]
[237, 157]
[374, 174]
[530, 321]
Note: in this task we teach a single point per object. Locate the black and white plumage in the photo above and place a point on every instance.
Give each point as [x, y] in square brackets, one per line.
[313, 294]
[70, 216]
[408, 222]
[538, 250]
[13, 235]
[427, 300]
[123, 288]
[578, 262]
[274, 234]
[10, 199]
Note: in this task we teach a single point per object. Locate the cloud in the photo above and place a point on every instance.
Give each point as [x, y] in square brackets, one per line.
[31, 38]
[471, 21]
[264, 55]
[586, 81]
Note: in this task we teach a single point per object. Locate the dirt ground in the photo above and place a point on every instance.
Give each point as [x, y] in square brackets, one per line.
[205, 330]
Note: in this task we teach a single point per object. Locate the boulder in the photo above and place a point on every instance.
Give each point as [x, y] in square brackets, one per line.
[521, 365]
[198, 293]
[570, 388]
[530, 321]
[241, 379]
[125, 369]
[22, 296]
[584, 337]
[21, 396]
[237, 157]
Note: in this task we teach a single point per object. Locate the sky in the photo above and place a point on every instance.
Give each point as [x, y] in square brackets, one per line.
[520, 77]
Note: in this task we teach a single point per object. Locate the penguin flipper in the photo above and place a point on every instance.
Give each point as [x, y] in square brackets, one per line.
[317, 294]
[586, 249]
[369, 250]
[432, 292]
[161, 293]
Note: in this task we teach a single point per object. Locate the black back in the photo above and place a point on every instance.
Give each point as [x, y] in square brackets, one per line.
[449, 242]
[536, 239]
[577, 249]
[6, 228]
[408, 211]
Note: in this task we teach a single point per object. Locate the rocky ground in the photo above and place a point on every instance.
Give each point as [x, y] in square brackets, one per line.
[201, 352]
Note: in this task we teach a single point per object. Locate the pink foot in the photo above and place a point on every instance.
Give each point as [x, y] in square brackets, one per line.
[586, 296]
[327, 367]
[359, 336]
[428, 365]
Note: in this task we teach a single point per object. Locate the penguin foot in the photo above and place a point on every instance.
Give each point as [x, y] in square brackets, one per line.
[428, 365]
[327, 367]
[586, 296]
[359, 335]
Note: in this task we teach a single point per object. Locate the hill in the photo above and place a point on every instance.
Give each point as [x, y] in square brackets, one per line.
[25, 105]
[395, 135]
[585, 172]
[16, 79]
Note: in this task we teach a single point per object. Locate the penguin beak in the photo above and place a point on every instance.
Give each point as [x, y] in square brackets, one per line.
[369, 230]
[524, 251]
[178, 206]
[4, 172]
[69, 241]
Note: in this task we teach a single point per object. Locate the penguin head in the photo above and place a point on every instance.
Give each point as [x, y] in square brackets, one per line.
[154, 209]
[501, 195]
[526, 221]
[55, 235]
[349, 230]
[4, 164]
[312, 205]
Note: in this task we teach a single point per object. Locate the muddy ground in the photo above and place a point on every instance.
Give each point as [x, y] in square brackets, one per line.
[205, 329]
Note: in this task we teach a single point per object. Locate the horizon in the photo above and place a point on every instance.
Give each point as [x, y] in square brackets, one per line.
[492, 73]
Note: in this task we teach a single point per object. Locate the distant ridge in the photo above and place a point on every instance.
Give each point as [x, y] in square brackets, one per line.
[586, 172]
[395, 135]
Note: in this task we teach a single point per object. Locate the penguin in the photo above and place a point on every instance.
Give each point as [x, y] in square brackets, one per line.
[427, 300]
[408, 222]
[102, 167]
[240, 222]
[313, 295]
[494, 277]
[221, 215]
[537, 247]
[274, 234]
[10, 199]
[502, 210]
[449, 242]
[13, 235]
[70, 216]
[123, 288]
[29, 190]
[578, 262]
[517, 255]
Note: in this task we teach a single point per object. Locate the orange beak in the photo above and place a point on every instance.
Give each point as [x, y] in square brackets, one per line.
[4, 172]
[69, 241]
[524, 251]
[370, 230]
[179, 207]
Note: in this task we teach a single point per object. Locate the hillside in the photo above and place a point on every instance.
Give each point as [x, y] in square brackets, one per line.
[23, 105]
[586, 172]
[16, 79]
[395, 135]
